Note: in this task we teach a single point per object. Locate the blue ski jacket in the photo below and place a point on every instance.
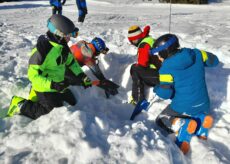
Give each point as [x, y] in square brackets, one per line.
[56, 3]
[82, 7]
[182, 79]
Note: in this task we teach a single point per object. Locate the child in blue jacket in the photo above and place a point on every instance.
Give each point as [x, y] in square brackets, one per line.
[182, 79]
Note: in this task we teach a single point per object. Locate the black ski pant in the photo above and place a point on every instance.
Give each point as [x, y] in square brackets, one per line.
[165, 119]
[142, 76]
[49, 100]
[46, 102]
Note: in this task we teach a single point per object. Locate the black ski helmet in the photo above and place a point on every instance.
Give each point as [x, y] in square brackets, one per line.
[166, 45]
[61, 26]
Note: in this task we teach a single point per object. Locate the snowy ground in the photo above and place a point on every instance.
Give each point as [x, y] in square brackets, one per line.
[98, 130]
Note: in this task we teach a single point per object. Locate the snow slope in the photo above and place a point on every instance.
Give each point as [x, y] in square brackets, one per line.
[98, 130]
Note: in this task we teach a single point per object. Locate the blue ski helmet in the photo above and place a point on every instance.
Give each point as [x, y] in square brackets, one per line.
[99, 45]
[166, 45]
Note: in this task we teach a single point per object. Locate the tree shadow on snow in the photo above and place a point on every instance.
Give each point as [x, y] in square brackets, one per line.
[217, 84]
[22, 6]
[7, 123]
[18, 158]
[95, 136]
[108, 115]
[223, 152]
[215, 1]
[98, 124]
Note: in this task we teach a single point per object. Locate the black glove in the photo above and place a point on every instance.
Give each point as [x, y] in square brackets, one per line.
[59, 86]
[113, 91]
[110, 91]
[109, 87]
[86, 82]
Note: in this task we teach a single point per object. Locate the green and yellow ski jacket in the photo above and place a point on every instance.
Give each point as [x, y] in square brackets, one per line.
[49, 66]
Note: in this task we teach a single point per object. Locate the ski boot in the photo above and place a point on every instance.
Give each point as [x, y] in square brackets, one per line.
[132, 101]
[184, 129]
[15, 106]
[204, 122]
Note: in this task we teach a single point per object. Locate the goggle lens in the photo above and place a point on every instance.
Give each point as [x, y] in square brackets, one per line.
[105, 51]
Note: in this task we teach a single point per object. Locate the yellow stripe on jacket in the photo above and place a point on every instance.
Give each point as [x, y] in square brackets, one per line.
[166, 78]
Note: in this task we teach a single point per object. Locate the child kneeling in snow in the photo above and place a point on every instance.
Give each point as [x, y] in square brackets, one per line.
[87, 54]
[182, 79]
[52, 69]
[145, 71]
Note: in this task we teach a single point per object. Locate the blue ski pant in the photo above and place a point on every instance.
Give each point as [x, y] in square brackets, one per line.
[82, 7]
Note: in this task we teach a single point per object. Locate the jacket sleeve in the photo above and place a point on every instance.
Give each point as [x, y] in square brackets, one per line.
[209, 59]
[73, 65]
[97, 71]
[39, 82]
[143, 55]
[88, 57]
[165, 89]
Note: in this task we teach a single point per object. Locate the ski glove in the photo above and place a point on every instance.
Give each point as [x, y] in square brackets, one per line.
[59, 86]
[110, 91]
[86, 82]
[109, 87]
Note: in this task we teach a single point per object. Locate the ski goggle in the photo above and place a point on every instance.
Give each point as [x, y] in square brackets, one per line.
[53, 29]
[105, 51]
[74, 34]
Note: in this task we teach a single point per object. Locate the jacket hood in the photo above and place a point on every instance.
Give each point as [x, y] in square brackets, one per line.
[184, 58]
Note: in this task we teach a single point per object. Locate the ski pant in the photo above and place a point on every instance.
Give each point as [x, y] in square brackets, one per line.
[82, 10]
[142, 76]
[46, 101]
[56, 6]
[166, 117]
[56, 10]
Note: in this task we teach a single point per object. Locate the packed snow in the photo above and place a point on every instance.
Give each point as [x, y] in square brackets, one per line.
[98, 130]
